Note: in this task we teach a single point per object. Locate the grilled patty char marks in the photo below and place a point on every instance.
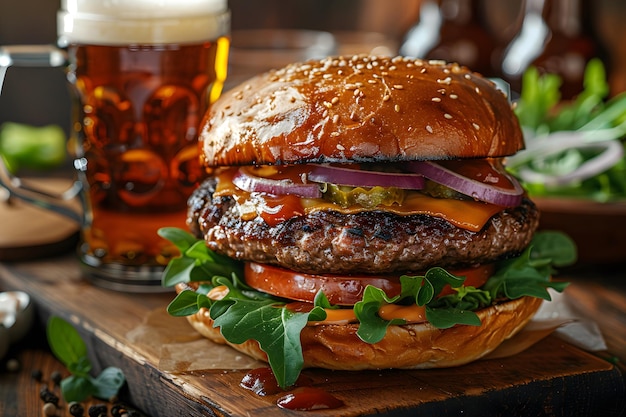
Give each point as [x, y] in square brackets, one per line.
[374, 242]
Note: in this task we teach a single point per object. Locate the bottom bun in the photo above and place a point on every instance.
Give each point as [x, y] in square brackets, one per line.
[411, 346]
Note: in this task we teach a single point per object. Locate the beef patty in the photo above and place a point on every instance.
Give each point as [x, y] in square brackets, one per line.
[374, 242]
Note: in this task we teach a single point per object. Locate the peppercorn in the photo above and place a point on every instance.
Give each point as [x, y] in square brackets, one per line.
[117, 410]
[98, 410]
[49, 409]
[56, 377]
[13, 365]
[76, 409]
[48, 397]
[36, 374]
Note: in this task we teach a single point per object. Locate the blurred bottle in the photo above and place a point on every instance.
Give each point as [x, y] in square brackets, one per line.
[556, 36]
[454, 30]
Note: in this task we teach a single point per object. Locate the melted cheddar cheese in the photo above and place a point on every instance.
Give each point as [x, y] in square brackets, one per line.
[467, 214]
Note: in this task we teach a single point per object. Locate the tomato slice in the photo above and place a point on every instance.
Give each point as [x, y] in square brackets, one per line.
[339, 289]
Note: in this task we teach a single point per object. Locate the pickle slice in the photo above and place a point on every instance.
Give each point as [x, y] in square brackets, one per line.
[365, 197]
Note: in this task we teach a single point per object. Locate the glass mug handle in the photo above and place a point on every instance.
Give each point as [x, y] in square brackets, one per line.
[44, 56]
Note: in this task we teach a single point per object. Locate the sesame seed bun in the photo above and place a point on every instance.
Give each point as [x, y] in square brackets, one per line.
[361, 109]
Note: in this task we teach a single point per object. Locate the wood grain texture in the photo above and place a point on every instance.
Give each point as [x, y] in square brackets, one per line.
[129, 331]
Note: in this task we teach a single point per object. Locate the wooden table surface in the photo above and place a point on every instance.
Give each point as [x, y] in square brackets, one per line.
[117, 326]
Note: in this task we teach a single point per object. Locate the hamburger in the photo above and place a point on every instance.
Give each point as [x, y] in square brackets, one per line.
[357, 215]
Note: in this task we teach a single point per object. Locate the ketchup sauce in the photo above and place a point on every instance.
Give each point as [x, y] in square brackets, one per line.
[303, 397]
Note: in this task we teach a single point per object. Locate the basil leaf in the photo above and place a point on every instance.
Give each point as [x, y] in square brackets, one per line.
[107, 384]
[66, 344]
[76, 388]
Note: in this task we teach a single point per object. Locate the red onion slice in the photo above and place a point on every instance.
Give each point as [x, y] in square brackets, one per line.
[361, 178]
[540, 148]
[476, 189]
[247, 181]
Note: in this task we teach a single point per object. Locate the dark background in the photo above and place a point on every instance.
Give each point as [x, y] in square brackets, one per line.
[40, 96]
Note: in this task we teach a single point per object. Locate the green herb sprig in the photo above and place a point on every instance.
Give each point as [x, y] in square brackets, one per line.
[245, 314]
[574, 148]
[68, 347]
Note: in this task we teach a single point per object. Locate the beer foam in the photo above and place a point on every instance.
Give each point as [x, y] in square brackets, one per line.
[122, 22]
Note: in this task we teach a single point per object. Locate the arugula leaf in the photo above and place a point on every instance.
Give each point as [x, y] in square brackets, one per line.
[530, 274]
[245, 313]
[372, 327]
[444, 318]
[196, 262]
[276, 329]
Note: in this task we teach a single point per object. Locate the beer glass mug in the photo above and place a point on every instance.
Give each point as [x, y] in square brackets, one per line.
[143, 73]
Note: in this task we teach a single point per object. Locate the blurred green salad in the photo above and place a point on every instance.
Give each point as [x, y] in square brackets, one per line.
[31, 147]
[575, 148]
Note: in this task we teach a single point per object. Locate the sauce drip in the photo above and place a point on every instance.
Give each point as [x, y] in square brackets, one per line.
[307, 399]
[304, 397]
[261, 381]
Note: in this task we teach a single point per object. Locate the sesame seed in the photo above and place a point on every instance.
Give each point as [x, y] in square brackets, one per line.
[386, 97]
[335, 100]
[429, 129]
[335, 134]
[335, 118]
[339, 146]
[436, 99]
[447, 116]
[396, 108]
[327, 76]
[372, 81]
[328, 105]
[476, 126]
[437, 62]
[423, 71]
[350, 86]
[398, 86]
[446, 80]
[477, 90]
[467, 76]
[454, 96]
[353, 116]
[392, 68]
[356, 92]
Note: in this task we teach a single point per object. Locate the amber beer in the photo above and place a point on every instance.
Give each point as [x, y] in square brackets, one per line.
[141, 97]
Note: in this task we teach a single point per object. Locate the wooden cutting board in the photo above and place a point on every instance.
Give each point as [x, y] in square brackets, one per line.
[31, 232]
[171, 371]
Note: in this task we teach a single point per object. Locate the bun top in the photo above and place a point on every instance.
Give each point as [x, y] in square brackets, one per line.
[360, 109]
